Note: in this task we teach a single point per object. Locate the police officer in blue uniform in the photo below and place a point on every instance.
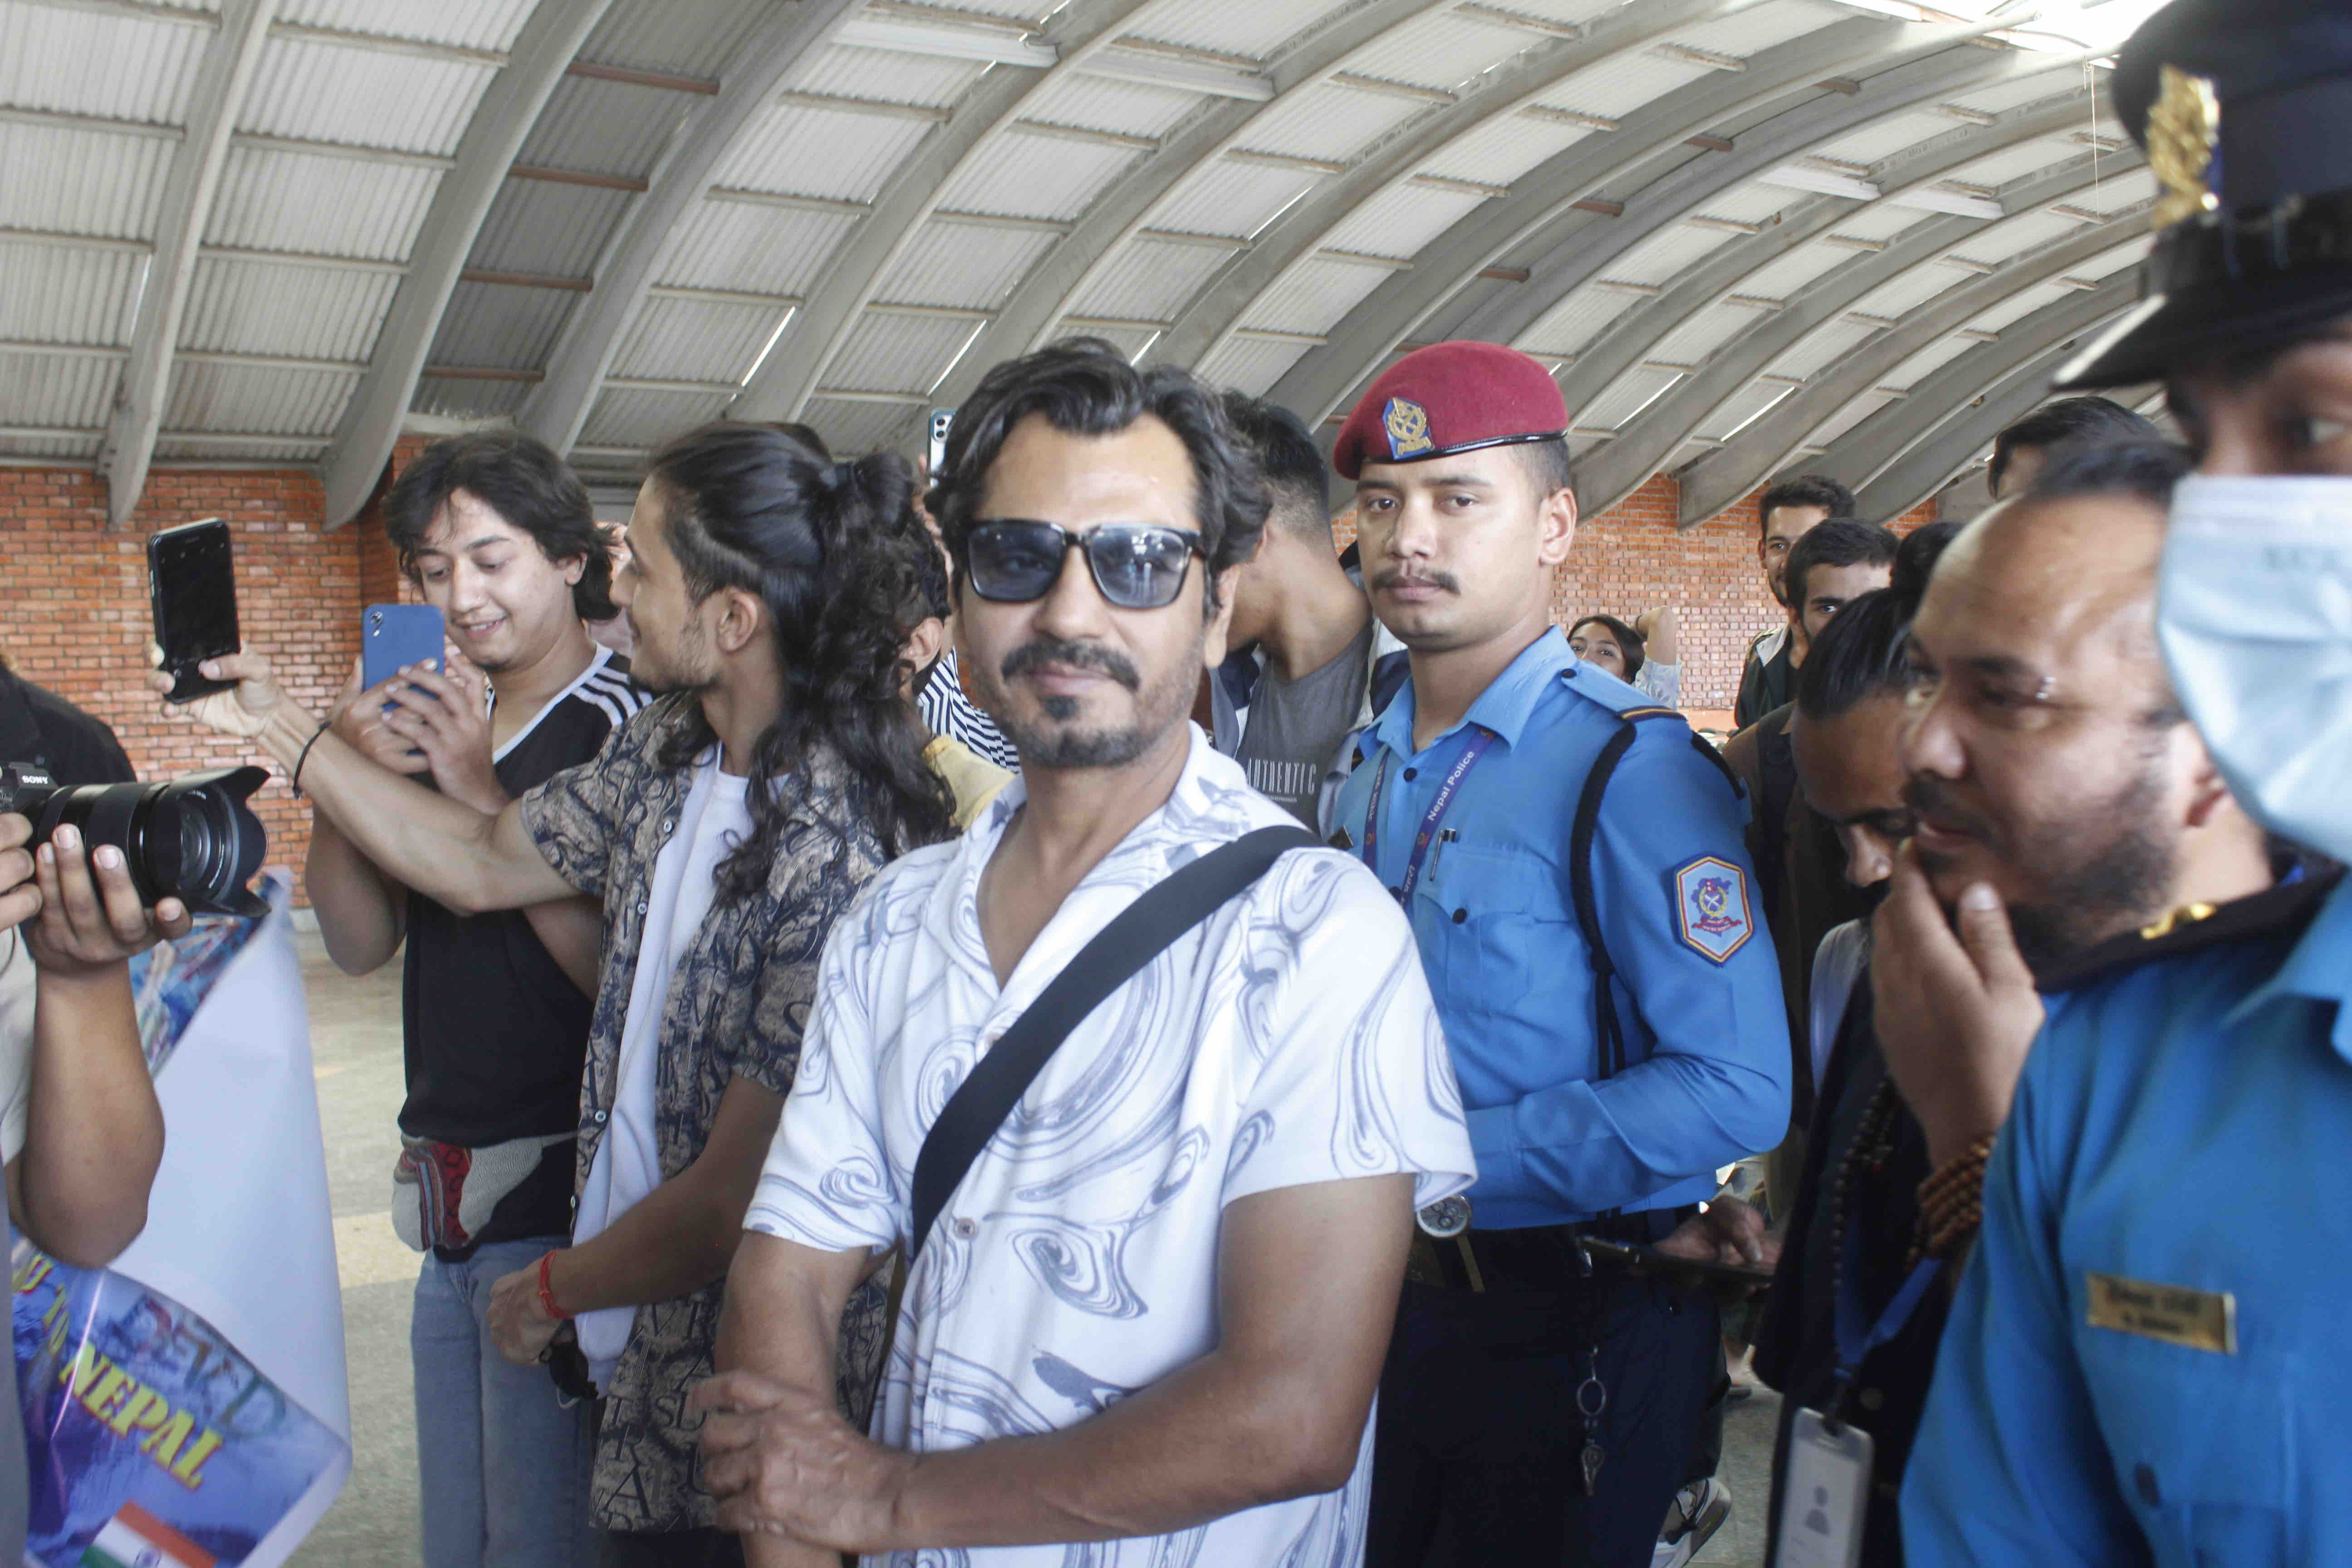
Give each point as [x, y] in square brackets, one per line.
[1571, 859]
[2145, 1360]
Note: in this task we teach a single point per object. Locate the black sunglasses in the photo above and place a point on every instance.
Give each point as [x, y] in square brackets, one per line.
[1138, 566]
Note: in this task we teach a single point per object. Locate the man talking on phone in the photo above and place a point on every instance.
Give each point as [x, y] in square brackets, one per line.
[723, 828]
[498, 536]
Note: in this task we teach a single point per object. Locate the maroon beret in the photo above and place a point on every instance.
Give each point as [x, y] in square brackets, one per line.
[1450, 397]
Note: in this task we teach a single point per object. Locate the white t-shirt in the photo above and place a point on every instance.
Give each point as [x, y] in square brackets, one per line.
[716, 817]
[1288, 1039]
[18, 984]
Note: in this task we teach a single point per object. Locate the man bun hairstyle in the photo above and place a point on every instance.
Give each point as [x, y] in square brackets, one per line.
[523, 479]
[1085, 386]
[1288, 459]
[830, 549]
[1805, 489]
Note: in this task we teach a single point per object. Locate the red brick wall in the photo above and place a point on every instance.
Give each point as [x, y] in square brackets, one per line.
[73, 597]
[1632, 558]
[74, 614]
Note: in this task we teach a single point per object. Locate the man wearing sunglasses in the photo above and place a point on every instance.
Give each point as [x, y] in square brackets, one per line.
[1572, 861]
[1171, 1272]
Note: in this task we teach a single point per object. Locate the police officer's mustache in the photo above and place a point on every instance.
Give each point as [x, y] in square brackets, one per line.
[1445, 581]
[1042, 650]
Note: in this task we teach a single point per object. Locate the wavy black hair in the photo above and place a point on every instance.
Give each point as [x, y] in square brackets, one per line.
[1085, 386]
[750, 507]
[523, 479]
[2087, 421]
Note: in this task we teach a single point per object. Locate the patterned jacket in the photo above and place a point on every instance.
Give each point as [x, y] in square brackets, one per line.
[739, 1001]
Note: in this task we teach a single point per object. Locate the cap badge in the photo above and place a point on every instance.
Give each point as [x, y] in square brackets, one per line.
[1408, 428]
[2182, 128]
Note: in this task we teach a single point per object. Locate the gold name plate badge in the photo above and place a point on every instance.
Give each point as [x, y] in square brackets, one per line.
[2200, 1320]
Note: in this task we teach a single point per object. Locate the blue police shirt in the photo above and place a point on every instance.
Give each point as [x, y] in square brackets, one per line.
[1699, 990]
[2186, 1125]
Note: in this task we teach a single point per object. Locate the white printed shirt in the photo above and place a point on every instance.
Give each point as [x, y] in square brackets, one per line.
[1288, 1039]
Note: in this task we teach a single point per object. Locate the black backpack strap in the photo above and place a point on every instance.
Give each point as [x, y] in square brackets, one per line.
[1138, 934]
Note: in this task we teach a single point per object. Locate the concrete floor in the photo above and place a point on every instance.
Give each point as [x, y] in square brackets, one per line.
[355, 1043]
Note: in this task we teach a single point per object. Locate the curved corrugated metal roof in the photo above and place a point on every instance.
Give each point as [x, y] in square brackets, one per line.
[1747, 232]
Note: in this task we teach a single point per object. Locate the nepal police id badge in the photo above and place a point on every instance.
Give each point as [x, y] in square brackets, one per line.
[1711, 907]
[1824, 1492]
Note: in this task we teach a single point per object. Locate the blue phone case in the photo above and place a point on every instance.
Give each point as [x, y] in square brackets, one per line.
[395, 635]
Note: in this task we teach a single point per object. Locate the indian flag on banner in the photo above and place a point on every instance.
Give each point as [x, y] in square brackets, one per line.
[136, 1539]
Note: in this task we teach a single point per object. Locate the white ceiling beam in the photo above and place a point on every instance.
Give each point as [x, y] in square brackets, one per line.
[683, 177]
[371, 422]
[782, 384]
[223, 75]
[1123, 212]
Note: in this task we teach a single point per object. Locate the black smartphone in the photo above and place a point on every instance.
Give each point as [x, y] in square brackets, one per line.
[192, 589]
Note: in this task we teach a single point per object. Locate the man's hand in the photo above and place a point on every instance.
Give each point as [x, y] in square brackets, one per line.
[87, 925]
[520, 1325]
[447, 719]
[782, 1461]
[20, 893]
[242, 712]
[357, 720]
[1729, 1231]
[1956, 1013]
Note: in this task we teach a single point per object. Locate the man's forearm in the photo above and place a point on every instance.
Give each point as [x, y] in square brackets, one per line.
[422, 839]
[1209, 1440]
[781, 1319]
[94, 1134]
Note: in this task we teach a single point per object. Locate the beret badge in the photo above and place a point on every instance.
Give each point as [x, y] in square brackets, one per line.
[2183, 128]
[1407, 423]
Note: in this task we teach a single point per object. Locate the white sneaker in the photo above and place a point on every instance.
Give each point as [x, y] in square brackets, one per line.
[1702, 1506]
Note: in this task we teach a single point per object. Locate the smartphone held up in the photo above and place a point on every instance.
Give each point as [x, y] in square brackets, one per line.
[192, 591]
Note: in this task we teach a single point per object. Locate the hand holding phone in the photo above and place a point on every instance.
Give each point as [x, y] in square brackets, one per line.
[394, 637]
[192, 593]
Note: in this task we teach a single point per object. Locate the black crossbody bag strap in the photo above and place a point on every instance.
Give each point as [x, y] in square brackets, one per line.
[1140, 934]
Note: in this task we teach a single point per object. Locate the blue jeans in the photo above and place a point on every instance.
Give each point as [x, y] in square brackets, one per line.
[502, 1467]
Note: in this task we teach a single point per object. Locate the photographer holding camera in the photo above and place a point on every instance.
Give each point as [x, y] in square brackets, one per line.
[79, 1121]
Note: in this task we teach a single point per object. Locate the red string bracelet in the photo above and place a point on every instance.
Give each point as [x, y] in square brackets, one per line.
[546, 1289]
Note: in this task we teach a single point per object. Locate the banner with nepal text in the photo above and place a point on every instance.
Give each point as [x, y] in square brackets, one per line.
[188, 1407]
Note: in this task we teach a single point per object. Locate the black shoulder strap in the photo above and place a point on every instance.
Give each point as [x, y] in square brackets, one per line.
[1141, 933]
[1611, 1032]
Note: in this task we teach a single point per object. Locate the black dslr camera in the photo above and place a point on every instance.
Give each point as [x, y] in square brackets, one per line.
[193, 838]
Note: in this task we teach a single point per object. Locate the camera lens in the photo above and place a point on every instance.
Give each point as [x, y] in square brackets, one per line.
[193, 838]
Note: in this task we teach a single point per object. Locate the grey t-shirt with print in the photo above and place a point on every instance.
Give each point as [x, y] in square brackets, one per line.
[1296, 727]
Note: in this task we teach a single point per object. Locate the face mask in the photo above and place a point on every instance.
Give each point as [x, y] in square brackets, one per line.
[2255, 613]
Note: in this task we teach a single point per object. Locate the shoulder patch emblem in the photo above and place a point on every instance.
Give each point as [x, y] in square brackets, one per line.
[1711, 907]
[1408, 428]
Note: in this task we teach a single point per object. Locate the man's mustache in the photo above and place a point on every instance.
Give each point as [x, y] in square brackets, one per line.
[1441, 580]
[1075, 655]
[1927, 801]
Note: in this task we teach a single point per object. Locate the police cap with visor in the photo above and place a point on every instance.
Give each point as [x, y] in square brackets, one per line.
[2244, 109]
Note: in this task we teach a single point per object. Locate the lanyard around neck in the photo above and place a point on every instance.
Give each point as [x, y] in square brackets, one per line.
[1474, 746]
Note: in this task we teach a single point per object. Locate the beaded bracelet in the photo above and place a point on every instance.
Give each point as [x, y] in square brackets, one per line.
[547, 1288]
[1951, 1201]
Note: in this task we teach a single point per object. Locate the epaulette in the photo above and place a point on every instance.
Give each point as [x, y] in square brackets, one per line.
[1633, 707]
[2276, 911]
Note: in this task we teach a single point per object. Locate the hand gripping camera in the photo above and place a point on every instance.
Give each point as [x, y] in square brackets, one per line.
[193, 838]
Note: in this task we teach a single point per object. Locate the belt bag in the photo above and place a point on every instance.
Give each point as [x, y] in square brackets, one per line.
[444, 1194]
[1141, 932]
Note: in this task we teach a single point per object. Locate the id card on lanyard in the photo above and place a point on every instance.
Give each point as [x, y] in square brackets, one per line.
[1432, 821]
[1825, 1486]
